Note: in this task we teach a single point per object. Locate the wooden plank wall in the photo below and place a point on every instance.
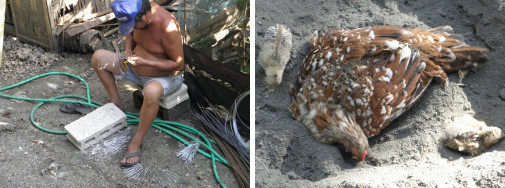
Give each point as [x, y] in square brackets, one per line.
[31, 21]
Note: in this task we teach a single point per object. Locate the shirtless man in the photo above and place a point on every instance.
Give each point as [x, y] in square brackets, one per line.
[156, 63]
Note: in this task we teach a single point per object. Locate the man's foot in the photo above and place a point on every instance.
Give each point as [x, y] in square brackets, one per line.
[132, 156]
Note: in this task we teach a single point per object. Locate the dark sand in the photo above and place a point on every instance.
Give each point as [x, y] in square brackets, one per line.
[407, 153]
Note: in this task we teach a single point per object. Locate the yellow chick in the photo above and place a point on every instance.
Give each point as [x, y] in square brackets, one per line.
[468, 135]
[275, 52]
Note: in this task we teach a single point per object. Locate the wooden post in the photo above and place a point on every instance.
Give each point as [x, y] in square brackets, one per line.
[3, 5]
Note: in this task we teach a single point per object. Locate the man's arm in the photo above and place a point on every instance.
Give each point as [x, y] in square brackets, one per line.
[129, 43]
[172, 45]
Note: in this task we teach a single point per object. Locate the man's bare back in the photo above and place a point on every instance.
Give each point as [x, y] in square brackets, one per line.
[160, 45]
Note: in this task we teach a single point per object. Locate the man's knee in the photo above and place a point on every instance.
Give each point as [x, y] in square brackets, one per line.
[98, 56]
[152, 93]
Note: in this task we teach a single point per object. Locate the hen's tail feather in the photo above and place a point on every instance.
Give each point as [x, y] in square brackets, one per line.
[455, 54]
[462, 58]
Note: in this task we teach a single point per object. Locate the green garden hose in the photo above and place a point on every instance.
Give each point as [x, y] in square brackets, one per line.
[133, 119]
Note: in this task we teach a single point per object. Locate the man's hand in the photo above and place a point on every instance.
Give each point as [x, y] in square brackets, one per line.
[136, 60]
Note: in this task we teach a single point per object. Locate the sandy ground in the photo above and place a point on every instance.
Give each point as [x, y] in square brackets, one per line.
[407, 153]
[56, 162]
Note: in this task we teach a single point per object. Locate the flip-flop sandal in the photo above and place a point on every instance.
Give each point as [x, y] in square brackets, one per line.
[130, 155]
[76, 108]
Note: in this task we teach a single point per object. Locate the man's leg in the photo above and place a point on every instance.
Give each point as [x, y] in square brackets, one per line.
[152, 94]
[105, 64]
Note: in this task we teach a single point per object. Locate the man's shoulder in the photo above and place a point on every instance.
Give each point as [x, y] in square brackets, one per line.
[162, 11]
[169, 22]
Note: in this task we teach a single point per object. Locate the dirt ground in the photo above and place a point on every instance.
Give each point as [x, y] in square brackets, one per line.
[407, 153]
[33, 158]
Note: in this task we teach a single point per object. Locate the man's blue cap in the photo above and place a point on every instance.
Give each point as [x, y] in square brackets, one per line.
[125, 11]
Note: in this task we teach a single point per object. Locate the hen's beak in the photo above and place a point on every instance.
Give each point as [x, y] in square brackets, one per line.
[363, 156]
[357, 155]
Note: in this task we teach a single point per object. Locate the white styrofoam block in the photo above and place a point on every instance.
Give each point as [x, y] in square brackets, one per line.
[95, 126]
[175, 98]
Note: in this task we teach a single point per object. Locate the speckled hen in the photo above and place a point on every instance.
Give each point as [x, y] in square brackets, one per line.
[353, 83]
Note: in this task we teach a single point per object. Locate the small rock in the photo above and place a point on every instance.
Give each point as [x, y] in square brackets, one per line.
[54, 166]
[7, 45]
[422, 184]
[417, 156]
[6, 114]
[199, 174]
[293, 176]
[501, 173]
[24, 53]
[52, 86]
[52, 169]
[502, 94]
